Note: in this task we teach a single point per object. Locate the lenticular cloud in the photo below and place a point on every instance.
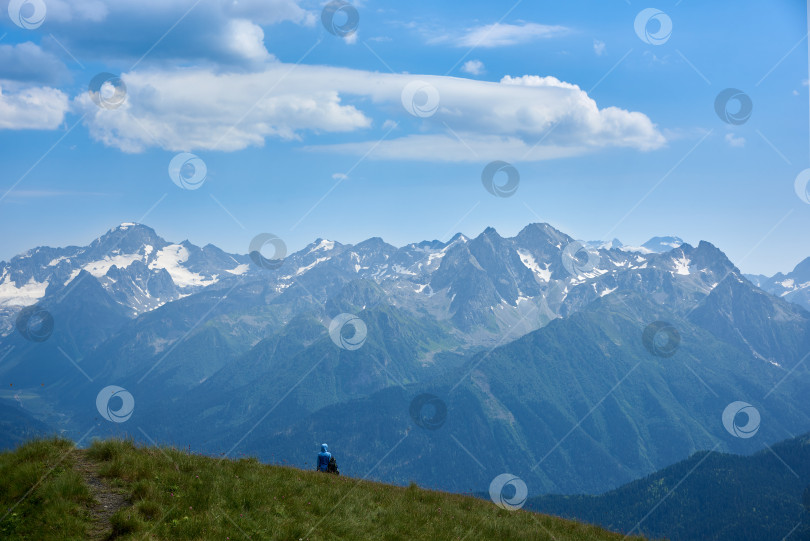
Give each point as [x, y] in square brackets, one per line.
[202, 110]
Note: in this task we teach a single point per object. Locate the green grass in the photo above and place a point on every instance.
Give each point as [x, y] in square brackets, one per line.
[176, 495]
[57, 506]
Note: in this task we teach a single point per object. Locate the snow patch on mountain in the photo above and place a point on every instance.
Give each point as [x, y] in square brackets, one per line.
[399, 269]
[24, 295]
[170, 258]
[239, 270]
[302, 270]
[682, 266]
[73, 275]
[100, 267]
[378, 274]
[424, 289]
[608, 291]
[56, 261]
[436, 255]
[544, 274]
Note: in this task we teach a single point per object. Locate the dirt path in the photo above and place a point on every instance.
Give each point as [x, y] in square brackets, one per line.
[108, 500]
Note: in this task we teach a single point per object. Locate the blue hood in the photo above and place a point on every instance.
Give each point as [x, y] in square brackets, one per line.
[324, 448]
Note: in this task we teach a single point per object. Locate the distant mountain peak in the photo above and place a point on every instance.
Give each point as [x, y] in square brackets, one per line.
[320, 244]
[802, 269]
[663, 244]
[458, 237]
[656, 245]
[542, 233]
[373, 242]
[539, 225]
[793, 286]
[129, 229]
[126, 226]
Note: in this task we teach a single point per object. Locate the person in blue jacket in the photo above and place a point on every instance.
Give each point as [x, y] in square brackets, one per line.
[323, 458]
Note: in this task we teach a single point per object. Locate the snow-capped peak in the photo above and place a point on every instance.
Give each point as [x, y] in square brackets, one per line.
[324, 245]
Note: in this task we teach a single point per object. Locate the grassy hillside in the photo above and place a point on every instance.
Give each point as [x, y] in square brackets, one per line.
[116, 490]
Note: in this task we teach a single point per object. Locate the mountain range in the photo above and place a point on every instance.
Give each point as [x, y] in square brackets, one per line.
[577, 366]
[710, 496]
[793, 286]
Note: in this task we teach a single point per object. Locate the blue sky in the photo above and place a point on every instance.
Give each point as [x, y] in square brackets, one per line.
[305, 134]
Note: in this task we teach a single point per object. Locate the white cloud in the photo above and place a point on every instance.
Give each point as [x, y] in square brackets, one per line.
[598, 47]
[502, 35]
[473, 67]
[37, 108]
[198, 109]
[735, 141]
[246, 40]
[537, 80]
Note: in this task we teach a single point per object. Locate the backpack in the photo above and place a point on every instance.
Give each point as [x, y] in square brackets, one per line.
[332, 467]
